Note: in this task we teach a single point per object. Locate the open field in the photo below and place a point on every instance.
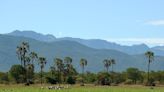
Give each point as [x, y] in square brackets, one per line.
[36, 88]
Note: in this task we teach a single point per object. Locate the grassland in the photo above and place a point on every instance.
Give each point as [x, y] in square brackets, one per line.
[37, 88]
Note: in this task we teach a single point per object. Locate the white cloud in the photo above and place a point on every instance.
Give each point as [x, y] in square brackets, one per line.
[156, 22]
[131, 41]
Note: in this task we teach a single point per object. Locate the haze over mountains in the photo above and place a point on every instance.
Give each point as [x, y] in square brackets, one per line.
[93, 43]
[95, 51]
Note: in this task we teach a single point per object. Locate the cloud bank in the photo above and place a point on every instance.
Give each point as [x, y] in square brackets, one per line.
[156, 22]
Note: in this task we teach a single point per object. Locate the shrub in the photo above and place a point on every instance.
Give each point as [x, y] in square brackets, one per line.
[71, 80]
[51, 80]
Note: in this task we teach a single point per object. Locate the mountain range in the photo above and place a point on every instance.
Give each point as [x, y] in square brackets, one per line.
[95, 51]
[93, 43]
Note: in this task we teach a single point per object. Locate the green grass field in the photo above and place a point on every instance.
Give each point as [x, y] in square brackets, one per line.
[21, 88]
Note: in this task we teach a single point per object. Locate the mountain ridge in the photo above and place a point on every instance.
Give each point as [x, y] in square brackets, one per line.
[93, 43]
[33, 35]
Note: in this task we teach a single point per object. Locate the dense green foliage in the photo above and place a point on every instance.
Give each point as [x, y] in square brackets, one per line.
[134, 74]
[130, 76]
[18, 72]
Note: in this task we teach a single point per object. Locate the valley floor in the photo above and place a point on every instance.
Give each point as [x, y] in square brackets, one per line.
[76, 88]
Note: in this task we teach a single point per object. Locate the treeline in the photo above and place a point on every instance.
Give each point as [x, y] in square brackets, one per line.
[130, 76]
[63, 72]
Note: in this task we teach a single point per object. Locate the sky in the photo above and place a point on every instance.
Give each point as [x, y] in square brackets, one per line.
[122, 21]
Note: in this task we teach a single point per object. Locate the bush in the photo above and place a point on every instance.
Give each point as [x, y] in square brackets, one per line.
[104, 81]
[51, 80]
[71, 80]
[79, 79]
[4, 78]
[103, 78]
[18, 73]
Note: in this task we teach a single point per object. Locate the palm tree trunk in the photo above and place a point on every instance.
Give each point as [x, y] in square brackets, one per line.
[112, 74]
[27, 76]
[23, 57]
[107, 69]
[83, 75]
[21, 63]
[24, 65]
[112, 68]
[148, 71]
[59, 78]
[41, 76]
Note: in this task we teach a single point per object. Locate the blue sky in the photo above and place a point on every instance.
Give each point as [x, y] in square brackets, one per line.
[122, 21]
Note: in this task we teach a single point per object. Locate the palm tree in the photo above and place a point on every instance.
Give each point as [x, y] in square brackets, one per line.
[25, 48]
[107, 64]
[68, 62]
[33, 56]
[112, 61]
[150, 56]
[60, 67]
[21, 51]
[42, 62]
[27, 60]
[83, 63]
[52, 69]
[30, 72]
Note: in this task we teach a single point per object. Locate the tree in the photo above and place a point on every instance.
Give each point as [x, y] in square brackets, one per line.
[27, 60]
[83, 63]
[52, 70]
[150, 56]
[107, 64]
[134, 74]
[30, 73]
[4, 78]
[90, 77]
[28, 70]
[71, 80]
[51, 80]
[68, 68]
[112, 62]
[30, 67]
[17, 72]
[42, 63]
[103, 78]
[33, 57]
[60, 67]
[22, 51]
[68, 64]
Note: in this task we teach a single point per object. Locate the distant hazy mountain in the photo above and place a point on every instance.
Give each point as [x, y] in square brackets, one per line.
[102, 44]
[159, 48]
[93, 43]
[33, 35]
[63, 48]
